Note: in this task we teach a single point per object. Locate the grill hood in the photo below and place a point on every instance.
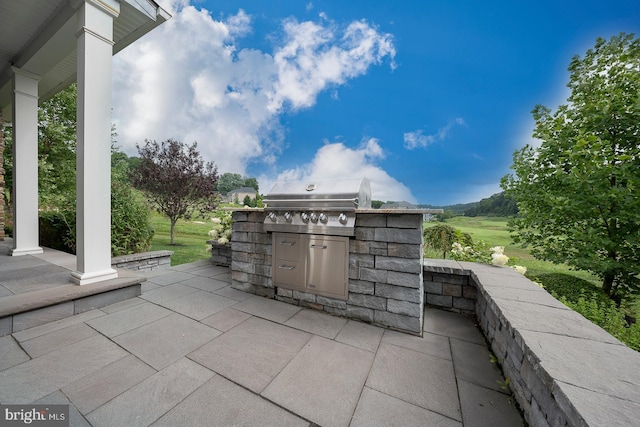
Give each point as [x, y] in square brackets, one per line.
[336, 195]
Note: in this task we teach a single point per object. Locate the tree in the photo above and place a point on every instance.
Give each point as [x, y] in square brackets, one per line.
[251, 182]
[176, 180]
[577, 193]
[229, 181]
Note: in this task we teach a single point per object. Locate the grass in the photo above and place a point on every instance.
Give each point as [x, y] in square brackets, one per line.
[494, 231]
[190, 238]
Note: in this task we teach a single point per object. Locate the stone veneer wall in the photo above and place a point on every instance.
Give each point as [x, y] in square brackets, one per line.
[144, 261]
[563, 370]
[220, 254]
[385, 269]
[2, 219]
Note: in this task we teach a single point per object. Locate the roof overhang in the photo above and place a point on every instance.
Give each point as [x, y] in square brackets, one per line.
[38, 36]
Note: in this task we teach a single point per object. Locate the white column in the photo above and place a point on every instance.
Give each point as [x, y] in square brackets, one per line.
[25, 163]
[93, 221]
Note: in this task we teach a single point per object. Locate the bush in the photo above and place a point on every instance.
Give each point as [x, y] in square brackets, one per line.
[57, 230]
[570, 287]
[441, 237]
[131, 230]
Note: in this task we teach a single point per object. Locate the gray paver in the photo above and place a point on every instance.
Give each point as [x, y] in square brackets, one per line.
[57, 339]
[483, 407]
[473, 364]
[94, 390]
[361, 335]
[607, 365]
[317, 323]
[168, 292]
[37, 331]
[325, 374]
[555, 321]
[378, 409]
[226, 319]
[198, 305]
[596, 407]
[57, 398]
[253, 353]
[39, 377]
[452, 325]
[205, 283]
[10, 353]
[122, 305]
[149, 400]
[170, 277]
[435, 345]
[421, 379]
[235, 294]
[222, 403]
[275, 311]
[125, 320]
[166, 340]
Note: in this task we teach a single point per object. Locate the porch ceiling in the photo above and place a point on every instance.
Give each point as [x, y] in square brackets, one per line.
[38, 36]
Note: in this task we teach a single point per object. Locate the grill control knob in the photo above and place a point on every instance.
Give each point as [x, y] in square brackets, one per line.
[313, 217]
[342, 218]
[272, 216]
[287, 216]
[323, 218]
[304, 216]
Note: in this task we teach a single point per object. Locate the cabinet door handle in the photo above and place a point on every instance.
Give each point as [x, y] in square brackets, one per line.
[319, 246]
[287, 243]
[286, 267]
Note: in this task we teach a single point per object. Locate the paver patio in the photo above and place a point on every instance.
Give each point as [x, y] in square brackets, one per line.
[191, 351]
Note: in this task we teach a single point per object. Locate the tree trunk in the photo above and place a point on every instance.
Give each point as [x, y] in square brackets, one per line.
[607, 287]
[173, 227]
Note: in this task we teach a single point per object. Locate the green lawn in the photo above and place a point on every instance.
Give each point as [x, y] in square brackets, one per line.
[494, 231]
[190, 238]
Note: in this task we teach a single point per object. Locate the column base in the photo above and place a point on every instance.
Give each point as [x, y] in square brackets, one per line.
[80, 278]
[25, 251]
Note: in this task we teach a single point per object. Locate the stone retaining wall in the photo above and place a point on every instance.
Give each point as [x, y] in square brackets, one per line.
[2, 181]
[563, 370]
[385, 269]
[220, 254]
[144, 261]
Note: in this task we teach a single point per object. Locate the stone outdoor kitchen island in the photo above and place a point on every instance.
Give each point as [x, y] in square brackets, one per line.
[385, 256]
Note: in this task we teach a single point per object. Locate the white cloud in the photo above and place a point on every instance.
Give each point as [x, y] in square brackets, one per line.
[336, 160]
[417, 139]
[189, 80]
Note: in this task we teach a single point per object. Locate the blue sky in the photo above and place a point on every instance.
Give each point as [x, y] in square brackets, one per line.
[427, 99]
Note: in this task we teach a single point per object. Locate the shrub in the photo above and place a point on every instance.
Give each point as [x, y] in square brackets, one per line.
[221, 229]
[131, 230]
[57, 230]
[441, 237]
[570, 287]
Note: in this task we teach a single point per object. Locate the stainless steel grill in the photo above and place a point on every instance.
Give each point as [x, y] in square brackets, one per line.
[320, 207]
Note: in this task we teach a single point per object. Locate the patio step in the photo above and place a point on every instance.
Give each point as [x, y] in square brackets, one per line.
[29, 309]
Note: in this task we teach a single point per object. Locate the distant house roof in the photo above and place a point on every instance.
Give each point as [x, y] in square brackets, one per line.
[242, 190]
[399, 205]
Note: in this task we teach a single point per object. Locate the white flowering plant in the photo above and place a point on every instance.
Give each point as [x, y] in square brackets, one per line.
[221, 229]
[481, 252]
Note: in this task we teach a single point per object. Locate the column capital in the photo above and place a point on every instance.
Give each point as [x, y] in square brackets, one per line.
[110, 7]
[24, 73]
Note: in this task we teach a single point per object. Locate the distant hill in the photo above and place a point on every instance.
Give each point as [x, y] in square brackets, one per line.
[495, 205]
